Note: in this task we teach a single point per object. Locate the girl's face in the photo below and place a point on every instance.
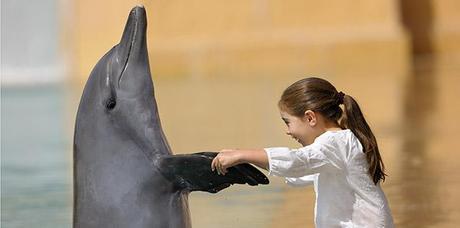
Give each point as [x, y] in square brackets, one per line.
[300, 128]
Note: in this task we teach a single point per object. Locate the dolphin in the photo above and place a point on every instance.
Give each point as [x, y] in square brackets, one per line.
[125, 174]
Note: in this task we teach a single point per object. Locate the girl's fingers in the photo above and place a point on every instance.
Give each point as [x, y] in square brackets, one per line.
[217, 164]
[224, 169]
[213, 164]
[221, 167]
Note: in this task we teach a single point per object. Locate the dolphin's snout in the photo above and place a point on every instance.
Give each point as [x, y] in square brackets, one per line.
[135, 27]
[132, 45]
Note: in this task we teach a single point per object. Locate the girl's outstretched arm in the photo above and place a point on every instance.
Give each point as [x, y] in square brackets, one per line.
[229, 158]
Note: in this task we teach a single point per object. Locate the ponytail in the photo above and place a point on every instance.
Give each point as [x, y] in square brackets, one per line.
[353, 119]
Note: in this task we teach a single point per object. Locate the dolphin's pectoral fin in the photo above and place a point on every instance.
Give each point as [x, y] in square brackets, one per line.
[192, 172]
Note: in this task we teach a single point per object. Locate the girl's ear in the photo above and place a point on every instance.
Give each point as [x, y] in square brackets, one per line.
[310, 116]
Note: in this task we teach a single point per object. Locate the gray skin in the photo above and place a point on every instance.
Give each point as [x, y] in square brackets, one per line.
[124, 172]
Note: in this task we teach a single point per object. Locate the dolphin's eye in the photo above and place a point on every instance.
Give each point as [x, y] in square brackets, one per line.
[110, 104]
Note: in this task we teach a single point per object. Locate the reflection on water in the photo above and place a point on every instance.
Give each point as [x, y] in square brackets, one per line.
[422, 186]
[414, 120]
[36, 184]
[417, 173]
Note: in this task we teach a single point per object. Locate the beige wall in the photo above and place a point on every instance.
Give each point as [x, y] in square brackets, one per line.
[446, 29]
[209, 38]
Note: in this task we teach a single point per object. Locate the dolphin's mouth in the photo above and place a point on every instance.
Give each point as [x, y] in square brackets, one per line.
[125, 65]
[131, 37]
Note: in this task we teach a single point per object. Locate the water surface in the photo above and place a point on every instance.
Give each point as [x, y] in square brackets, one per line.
[414, 117]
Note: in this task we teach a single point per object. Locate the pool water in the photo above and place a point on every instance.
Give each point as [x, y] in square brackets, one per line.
[414, 117]
[36, 163]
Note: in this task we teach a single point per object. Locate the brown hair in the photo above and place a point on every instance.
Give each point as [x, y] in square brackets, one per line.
[319, 95]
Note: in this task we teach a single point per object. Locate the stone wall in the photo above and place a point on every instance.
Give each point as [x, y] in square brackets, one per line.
[259, 38]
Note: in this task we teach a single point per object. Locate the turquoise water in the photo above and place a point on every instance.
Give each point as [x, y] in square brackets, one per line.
[36, 159]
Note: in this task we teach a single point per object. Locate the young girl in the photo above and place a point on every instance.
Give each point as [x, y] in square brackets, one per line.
[339, 156]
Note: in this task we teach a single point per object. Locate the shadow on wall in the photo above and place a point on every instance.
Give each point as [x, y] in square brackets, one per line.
[417, 17]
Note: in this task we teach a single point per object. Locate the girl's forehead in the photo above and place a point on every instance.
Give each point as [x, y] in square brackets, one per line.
[286, 115]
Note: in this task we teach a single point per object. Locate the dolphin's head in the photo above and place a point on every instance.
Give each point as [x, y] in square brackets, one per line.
[119, 92]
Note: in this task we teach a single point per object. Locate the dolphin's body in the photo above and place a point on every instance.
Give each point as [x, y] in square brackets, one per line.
[124, 172]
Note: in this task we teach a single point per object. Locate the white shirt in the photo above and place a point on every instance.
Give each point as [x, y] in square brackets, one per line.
[335, 163]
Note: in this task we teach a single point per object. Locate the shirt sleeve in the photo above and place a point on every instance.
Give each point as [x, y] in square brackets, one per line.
[315, 158]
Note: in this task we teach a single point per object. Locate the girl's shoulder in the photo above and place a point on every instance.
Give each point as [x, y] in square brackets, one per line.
[341, 146]
[343, 139]
[344, 134]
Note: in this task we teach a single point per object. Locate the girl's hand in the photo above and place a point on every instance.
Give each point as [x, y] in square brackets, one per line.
[225, 159]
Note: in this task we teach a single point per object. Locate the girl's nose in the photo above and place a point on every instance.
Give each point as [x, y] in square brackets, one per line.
[288, 132]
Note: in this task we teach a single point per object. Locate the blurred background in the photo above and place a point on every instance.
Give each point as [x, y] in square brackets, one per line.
[219, 68]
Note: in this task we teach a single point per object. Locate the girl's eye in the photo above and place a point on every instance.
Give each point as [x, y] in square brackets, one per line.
[285, 120]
